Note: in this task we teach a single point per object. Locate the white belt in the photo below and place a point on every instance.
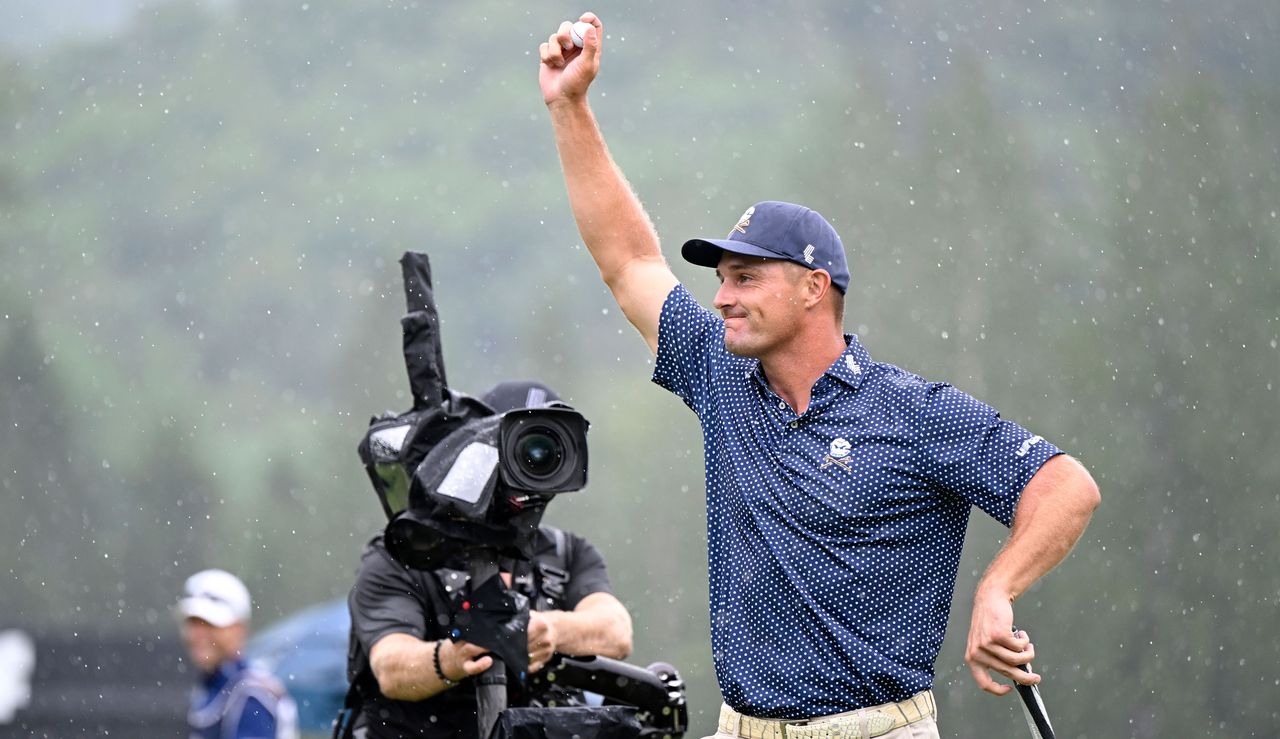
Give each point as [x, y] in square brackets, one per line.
[861, 724]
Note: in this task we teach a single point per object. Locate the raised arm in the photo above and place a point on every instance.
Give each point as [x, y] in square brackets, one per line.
[1052, 513]
[613, 224]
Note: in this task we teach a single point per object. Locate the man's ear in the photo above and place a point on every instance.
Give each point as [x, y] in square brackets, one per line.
[817, 284]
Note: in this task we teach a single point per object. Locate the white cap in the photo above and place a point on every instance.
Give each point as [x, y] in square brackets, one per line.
[215, 596]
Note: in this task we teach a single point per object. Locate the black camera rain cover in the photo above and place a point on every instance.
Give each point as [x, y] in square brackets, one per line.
[496, 619]
[437, 525]
[426, 427]
[459, 474]
[604, 722]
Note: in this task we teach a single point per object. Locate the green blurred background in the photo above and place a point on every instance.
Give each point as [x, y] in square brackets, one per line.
[1066, 209]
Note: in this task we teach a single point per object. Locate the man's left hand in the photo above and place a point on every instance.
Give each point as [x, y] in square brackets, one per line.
[994, 647]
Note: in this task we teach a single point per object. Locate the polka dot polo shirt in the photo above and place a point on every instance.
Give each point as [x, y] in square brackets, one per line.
[834, 536]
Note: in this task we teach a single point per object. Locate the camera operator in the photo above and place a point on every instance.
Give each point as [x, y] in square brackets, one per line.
[413, 680]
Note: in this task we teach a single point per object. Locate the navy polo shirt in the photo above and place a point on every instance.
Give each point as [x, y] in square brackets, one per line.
[834, 536]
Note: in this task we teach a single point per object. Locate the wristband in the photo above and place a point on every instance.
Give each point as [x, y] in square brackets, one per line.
[435, 657]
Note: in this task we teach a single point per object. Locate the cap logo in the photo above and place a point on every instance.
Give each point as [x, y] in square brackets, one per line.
[744, 221]
[808, 254]
[211, 596]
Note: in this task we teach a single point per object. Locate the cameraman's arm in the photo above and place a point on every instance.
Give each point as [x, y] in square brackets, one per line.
[404, 665]
[599, 625]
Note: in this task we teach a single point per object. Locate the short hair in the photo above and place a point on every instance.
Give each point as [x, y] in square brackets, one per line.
[837, 302]
[798, 271]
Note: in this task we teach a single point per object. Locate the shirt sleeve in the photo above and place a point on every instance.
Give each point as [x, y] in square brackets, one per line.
[972, 452]
[687, 335]
[386, 600]
[587, 572]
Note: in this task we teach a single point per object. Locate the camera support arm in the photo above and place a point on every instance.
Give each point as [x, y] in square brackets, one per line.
[657, 692]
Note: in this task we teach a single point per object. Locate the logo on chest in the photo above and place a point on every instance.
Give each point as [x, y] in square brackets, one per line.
[838, 455]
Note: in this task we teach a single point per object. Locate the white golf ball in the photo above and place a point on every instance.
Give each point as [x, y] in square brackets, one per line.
[578, 33]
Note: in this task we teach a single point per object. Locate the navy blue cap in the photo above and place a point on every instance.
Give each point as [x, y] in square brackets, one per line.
[777, 230]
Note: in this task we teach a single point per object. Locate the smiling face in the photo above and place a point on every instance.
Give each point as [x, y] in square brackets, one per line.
[209, 645]
[762, 302]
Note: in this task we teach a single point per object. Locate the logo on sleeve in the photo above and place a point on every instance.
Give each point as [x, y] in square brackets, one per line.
[838, 456]
[1026, 445]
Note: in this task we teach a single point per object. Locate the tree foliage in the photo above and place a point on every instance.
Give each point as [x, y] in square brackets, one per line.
[1069, 213]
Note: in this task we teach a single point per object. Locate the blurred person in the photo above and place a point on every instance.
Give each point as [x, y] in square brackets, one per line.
[412, 680]
[232, 699]
[838, 488]
[17, 663]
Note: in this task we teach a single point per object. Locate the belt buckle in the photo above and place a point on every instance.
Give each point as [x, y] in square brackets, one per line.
[819, 730]
[878, 723]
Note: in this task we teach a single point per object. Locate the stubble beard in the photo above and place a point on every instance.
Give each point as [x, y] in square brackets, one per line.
[742, 346]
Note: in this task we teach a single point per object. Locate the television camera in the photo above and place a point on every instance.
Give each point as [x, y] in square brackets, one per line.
[461, 482]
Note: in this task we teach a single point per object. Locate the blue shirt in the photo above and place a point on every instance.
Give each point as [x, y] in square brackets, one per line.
[834, 535]
[238, 701]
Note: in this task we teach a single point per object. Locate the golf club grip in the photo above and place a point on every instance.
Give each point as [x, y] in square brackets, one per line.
[1036, 714]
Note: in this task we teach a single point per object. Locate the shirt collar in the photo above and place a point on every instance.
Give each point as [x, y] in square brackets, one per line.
[850, 367]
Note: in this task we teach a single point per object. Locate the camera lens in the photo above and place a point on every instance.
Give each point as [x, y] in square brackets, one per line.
[543, 450]
[538, 452]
